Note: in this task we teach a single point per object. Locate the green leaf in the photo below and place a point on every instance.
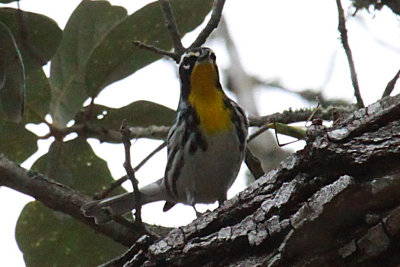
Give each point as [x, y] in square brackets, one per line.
[48, 238]
[12, 73]
[116, 57]
[28, 35]
[87, 26]
[17, 143]
[7, 1]
[38, 95]
[139, 113]
[74, 164]
[37, 36]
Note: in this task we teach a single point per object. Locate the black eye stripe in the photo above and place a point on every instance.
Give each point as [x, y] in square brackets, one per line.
[188, 61]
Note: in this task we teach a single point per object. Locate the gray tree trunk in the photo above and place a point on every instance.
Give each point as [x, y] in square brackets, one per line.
[336, 202]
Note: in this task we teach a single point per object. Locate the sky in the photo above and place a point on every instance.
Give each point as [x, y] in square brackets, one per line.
[294, 42]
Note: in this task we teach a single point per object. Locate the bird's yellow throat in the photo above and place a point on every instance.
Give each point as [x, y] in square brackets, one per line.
[208, 100]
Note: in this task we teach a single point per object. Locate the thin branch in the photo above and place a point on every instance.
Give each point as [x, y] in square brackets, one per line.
[291, 116]
[345, 41]
[216, 14]
[390, 86]
[114, 136]
[171, 26]
[161, 132]
[309, 95]
[139, 247]
[155, 151]
[131, 173]
[121, 180]
[258, 132]
[157, 50]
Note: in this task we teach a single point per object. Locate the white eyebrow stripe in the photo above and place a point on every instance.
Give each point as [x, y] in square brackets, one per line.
[188, 54]
[194, 53]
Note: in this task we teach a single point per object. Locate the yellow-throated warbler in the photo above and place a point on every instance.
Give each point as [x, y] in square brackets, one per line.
[206, 144]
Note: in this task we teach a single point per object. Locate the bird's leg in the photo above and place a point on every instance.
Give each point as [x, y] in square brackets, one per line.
[221, 199]
[198, 214]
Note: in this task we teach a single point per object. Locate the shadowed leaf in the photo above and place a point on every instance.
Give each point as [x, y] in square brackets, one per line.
[17, 143]
[49, 238]
[86, 28]
[139, 113]
[28, 41]
[116, 57]
[12, 73]
[74, 164]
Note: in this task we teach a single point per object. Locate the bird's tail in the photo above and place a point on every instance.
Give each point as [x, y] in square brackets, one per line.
[103, 210]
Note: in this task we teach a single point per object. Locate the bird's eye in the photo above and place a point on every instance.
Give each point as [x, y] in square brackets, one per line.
[186, 63]
[212, 56]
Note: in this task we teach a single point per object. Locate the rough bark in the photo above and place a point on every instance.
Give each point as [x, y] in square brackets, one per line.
[62, 198]
[336, 202]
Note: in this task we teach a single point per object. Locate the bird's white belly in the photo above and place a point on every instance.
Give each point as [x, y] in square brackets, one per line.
[207, 175]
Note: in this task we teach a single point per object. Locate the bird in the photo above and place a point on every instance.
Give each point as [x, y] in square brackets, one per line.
[205, 145]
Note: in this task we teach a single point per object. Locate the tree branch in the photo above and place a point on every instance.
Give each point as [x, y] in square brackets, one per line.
[157, 50]
[121, 180]
[345, 41]
[216, 14]
[343, 173]
[390, 86]
[125, 133]
[336, 202]
[114, 136]
[60, 198]
[291, 116]
[172, 27]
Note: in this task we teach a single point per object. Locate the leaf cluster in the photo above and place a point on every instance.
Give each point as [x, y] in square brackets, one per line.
[93, 51]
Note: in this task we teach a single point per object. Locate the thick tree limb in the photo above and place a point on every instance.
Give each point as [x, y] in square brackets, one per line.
[61, 198]
[334, 203]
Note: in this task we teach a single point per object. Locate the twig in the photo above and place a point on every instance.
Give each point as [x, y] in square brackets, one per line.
[291, 116]
[138, 247]
[390, 86]
[343, 35]
[121, 180]
[216, 14]
[157, 50]
[277, 139]
[309, 95]
[130, 172]
[258, 132]
[171, 26]
[155, 151]
[105, 193]
[170, 22]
